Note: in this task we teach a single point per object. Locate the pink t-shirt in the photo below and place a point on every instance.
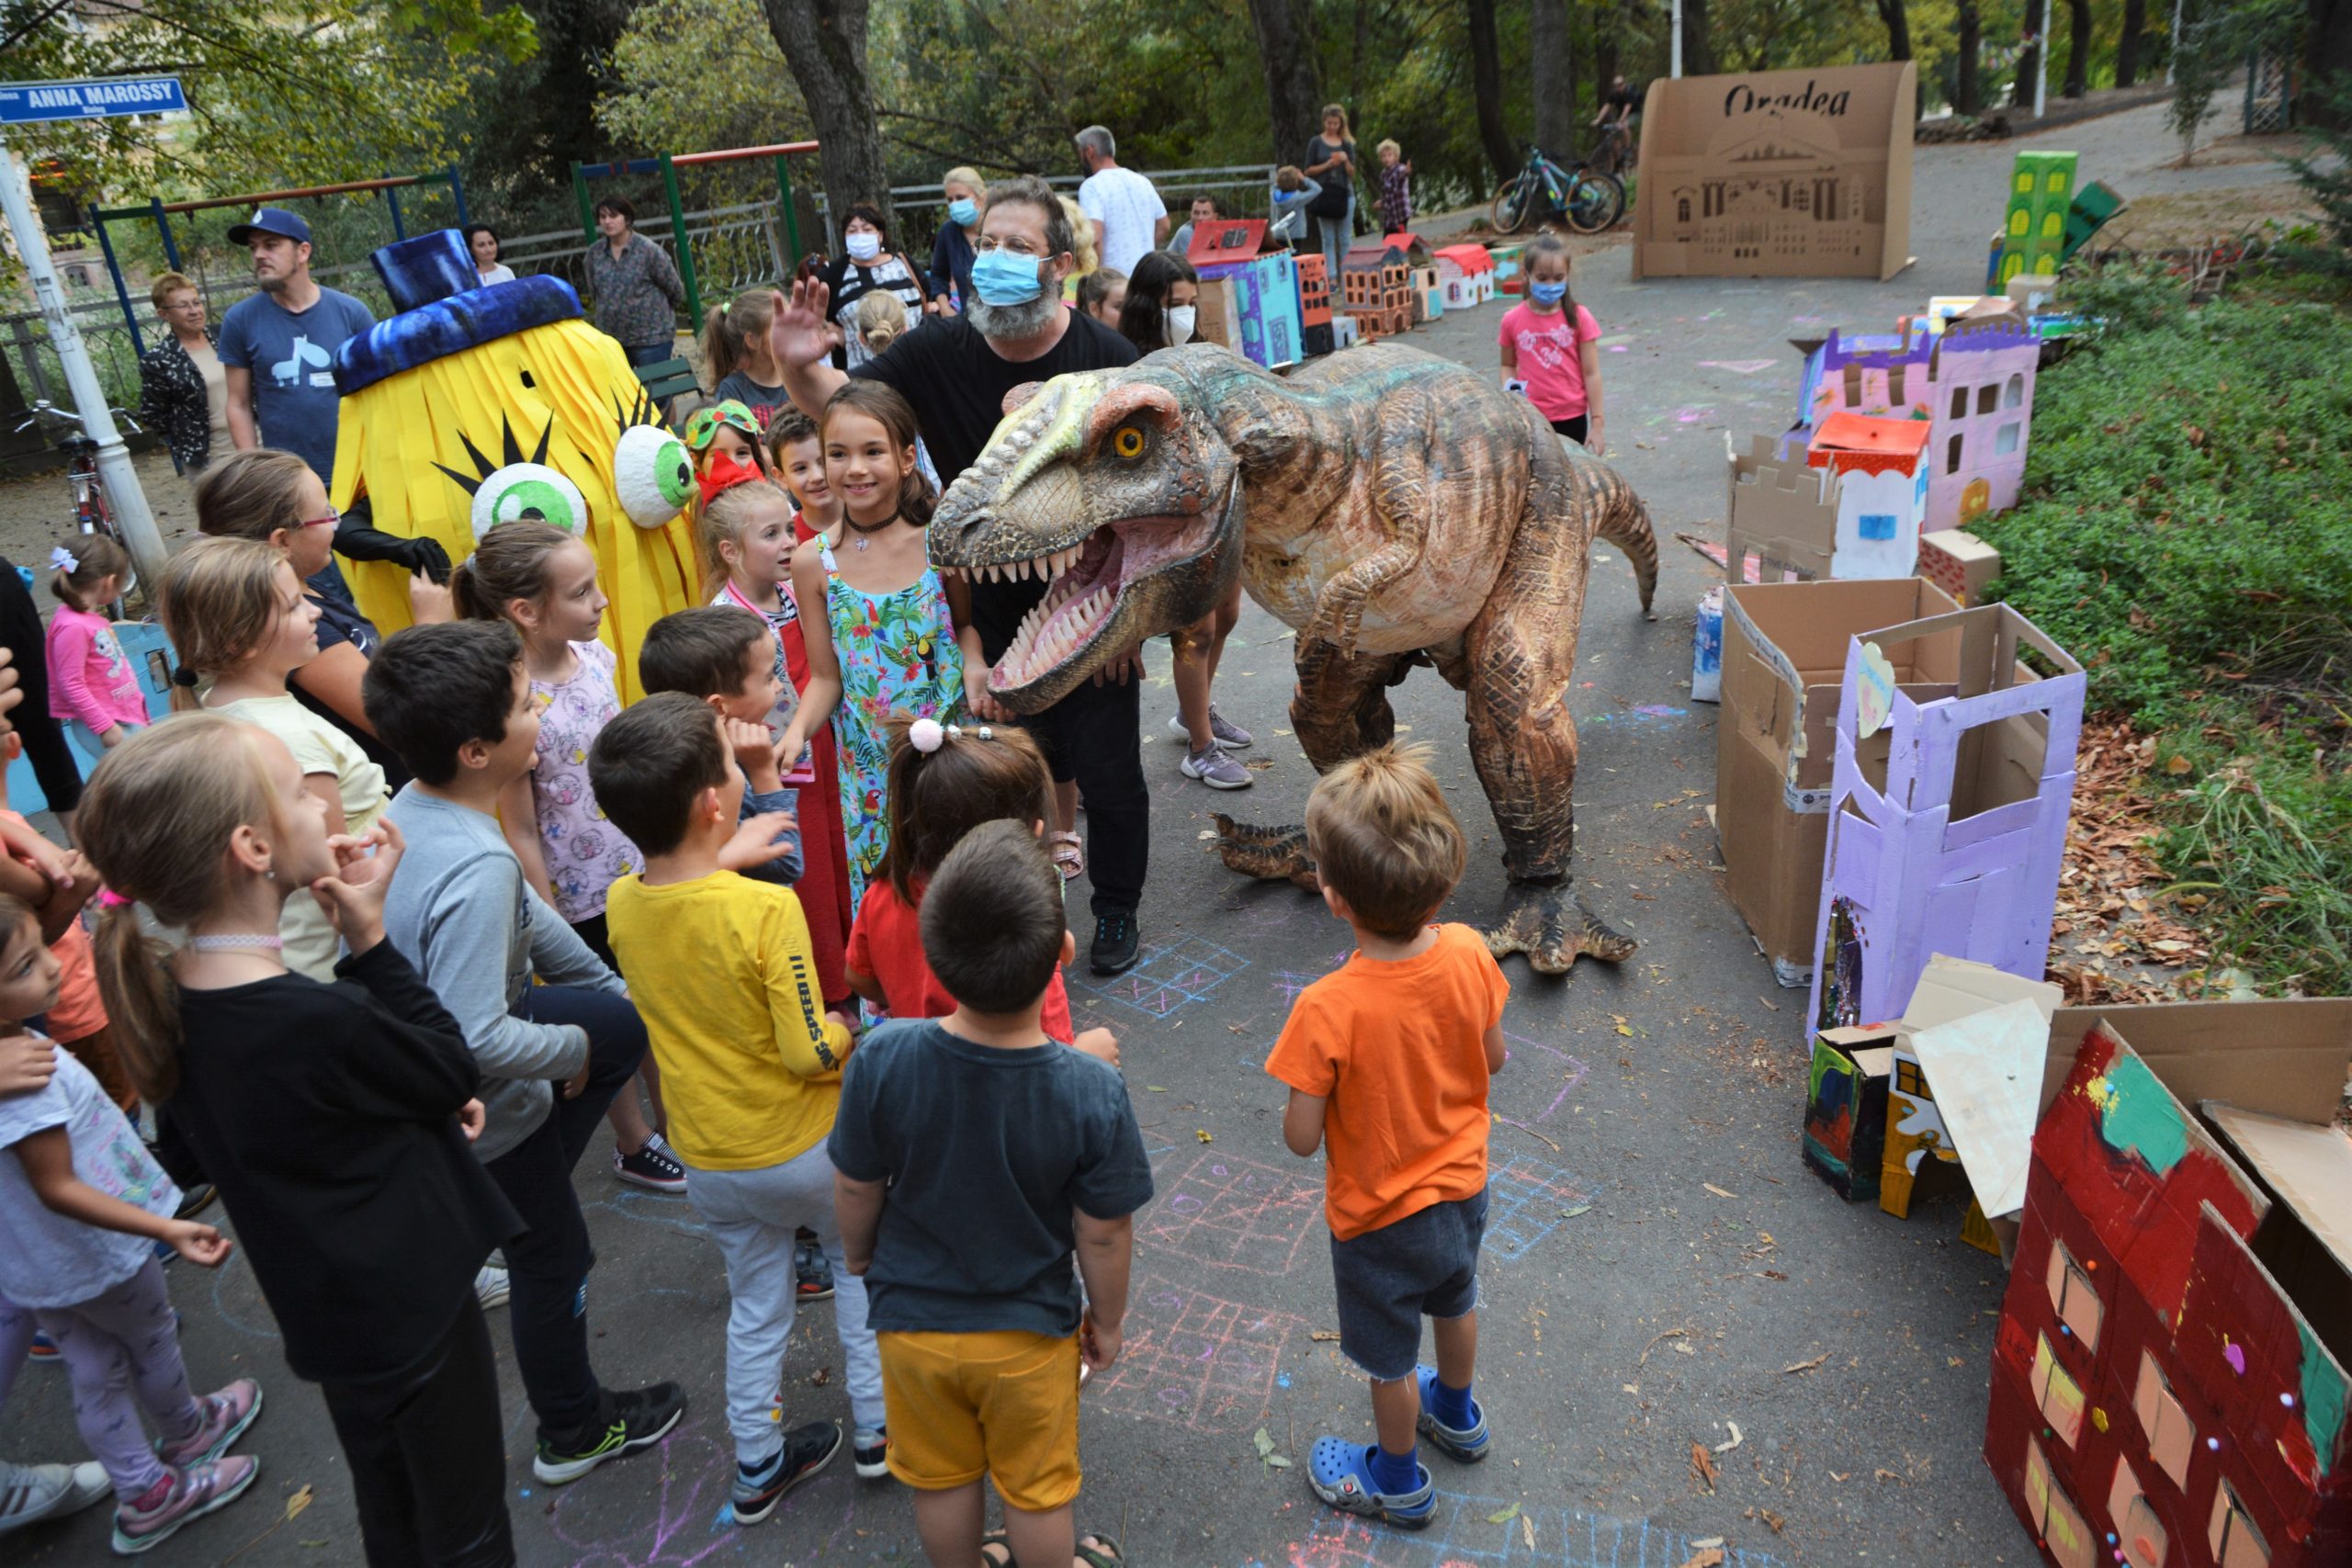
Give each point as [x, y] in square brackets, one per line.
[88, 677]
[585, 853]
[1551, 361]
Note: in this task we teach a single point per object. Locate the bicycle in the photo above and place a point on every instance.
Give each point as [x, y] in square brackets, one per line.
[1613, 149]
[1590, 200]
[91, 513]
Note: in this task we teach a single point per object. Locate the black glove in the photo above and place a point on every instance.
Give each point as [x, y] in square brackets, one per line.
[357, 537]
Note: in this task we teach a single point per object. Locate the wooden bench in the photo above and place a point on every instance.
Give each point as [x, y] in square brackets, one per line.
[670, 379]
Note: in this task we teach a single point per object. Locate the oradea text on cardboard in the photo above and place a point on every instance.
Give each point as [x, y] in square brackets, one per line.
[1777, 174]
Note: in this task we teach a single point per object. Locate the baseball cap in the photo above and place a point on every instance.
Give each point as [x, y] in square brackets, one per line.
[271, 220]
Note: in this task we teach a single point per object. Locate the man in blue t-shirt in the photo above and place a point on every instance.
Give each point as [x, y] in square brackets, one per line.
[277, 347]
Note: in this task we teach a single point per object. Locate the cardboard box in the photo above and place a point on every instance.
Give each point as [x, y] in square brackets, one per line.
[1883, 483]
[1947, 809]
[1960, 563]
[1249, 293]
[1966, 1086]
[1845, 1108]
[2032, 290]
[2169, 1369]
[1465, 276]
[1781, 515]
[1784, 646]
[1777, 174]
[2092, 206]
[2033, 232]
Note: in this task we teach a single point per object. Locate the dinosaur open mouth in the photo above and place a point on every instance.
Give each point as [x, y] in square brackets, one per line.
[1090, 585]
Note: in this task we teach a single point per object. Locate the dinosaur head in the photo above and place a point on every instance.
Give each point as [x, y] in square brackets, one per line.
[1116, 486]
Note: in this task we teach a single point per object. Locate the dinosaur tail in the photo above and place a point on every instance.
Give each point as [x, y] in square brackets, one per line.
[1625, 523]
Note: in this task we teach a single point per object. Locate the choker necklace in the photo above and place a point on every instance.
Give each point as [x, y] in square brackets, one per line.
[864, 531]
[239, 942]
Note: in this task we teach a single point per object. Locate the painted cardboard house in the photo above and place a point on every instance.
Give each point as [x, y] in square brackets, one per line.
[1314, 301]
[1250, 296]
[1465, 277]
[2169, 1384]
[1882, 484]
[2033, 229]
[1375, 288]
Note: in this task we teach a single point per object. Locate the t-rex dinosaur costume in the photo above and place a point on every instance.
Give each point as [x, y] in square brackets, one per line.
[1393, 507]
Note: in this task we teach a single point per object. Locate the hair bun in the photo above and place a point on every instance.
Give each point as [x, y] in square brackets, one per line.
[183, 676]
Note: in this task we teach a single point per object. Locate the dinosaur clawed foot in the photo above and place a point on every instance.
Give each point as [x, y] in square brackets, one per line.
[1272, 854]
[1549, 924]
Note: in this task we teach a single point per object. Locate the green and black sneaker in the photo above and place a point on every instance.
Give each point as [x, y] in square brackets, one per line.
[625, 1423]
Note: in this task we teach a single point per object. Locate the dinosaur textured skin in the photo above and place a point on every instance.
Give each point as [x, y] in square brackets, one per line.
[1393, 508]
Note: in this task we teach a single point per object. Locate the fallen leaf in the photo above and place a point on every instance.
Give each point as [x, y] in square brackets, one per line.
[1205, 833]
[1717, 1190]
[1735, 1439]
[1277, 1462]
[296, 1503]
[1766, 1237]
[1703, 1467]
[1153, 1089]
[1503, 1515]
[1887, 1475]
[1954, 1361]
[820, 1377]
[1580, 1208]
[1265, 1442]
[1632, 1388]
[1203, 1133]
[1626, 1030]
[1527, 1532]
[1807, 1366]
[1684, 1348]
[1324, 1335]
[1772, 1520]
[1707, 1556]
[1835, 1476]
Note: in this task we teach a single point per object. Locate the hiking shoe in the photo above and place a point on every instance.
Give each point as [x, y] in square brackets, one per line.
[492, 1286]
[653, 1167]
[1467, 1443]
[196, 1200]
[43, 1349]
[1340, 1473]
[1215, 769]
[807, 1450]
[31, 1493]
[1115, 942]
[812, 1274]
[627, 1423]
[226, 1416]
[869, 1448]
[1232, 737]
[179, 1497]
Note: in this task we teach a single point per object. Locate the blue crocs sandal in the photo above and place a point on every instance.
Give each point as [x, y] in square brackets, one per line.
[1467, 1446]
[1340, 1474]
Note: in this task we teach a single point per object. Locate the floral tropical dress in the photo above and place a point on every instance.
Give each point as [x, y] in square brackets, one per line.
[898, 654]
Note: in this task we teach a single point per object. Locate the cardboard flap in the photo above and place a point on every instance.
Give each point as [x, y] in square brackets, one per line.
[1990, 635]
[1226, 240]
[2279, 1058]
[1951, 988]
[2308, 1166]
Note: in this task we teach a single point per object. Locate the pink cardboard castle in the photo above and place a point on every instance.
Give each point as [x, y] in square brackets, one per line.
[1947, 809]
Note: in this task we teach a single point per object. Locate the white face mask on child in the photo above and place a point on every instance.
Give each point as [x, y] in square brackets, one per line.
[1181, 321]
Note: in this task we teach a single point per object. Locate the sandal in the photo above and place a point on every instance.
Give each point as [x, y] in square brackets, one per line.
[1094, 1550]
[1002, 1556]
[1070, 855]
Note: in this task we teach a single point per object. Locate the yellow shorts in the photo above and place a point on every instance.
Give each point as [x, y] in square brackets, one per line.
[1003, 1404]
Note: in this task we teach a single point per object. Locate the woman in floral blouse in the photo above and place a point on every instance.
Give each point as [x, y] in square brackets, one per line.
[183, 391]
[635, 284]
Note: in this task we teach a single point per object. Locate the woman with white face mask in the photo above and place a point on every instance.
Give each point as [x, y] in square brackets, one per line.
[867, 266]
[1162, 311]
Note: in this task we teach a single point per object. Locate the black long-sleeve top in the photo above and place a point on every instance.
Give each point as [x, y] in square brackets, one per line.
[326, 1116]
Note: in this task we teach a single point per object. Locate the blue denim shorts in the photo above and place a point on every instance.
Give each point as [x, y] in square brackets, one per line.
[1425, 1265]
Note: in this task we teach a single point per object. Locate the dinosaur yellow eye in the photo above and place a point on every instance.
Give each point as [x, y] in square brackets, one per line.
[1128, 442]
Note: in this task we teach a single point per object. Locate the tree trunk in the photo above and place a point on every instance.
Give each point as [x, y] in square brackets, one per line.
[2030, 57]
[1554, 77]
[1486, 87]
[1292, 90]
[2126, 44]
[1968, 91]
[1897, 18]
[824, 43]
[2327, 55]
[2079, 48]
[1698, 50]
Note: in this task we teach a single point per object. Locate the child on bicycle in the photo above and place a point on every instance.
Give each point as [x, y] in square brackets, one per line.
[1548, 346]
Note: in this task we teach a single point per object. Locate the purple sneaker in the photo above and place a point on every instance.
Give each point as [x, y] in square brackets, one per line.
[183, 1495]
[226, 1416]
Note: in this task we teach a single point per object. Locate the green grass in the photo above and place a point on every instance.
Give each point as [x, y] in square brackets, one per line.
[2187, 533]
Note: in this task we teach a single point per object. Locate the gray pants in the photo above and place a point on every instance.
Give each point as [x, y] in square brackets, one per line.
[752, 1216]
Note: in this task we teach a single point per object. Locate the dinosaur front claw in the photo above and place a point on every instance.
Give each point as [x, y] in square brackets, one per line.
[1549, 924]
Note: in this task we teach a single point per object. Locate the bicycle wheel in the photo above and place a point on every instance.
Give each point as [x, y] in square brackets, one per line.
[1595, 202]
[1510, 205]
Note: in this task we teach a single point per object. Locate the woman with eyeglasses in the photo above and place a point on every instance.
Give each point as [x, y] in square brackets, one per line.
[952, 252]
[869, 266]
[183, 391]
[274, 497]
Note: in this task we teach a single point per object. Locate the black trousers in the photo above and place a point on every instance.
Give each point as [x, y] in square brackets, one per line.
[1574, 429]
[45, 747]
[1094, 736]
[548, 1267]
[427, 1452]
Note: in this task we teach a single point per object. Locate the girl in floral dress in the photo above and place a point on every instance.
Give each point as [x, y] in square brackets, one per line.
[885, 643]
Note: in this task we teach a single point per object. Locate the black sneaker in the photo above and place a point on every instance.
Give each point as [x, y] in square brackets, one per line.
[653, 1167]
[1115, 942]
[812, 1274]
[194, 1200]
[628, 1422]
[807, 1451]
[869, 1449]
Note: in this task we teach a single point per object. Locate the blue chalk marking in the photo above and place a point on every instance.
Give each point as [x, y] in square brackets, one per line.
[1281, 1380]
[1169, 975]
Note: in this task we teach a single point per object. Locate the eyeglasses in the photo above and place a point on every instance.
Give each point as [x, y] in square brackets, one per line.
[329, 520]
[1017, 246]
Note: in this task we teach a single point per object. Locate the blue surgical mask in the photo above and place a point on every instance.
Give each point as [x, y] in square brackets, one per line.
[1000, 278]
[1549, 293]
[963, 211]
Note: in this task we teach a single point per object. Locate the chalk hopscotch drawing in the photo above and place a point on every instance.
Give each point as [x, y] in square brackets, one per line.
[1290, 982]
[1550, 1064]
[1527, 1201]
[1169, 975]
[1462, 1534]
[1235, 1214]
[1195, 1360]
[695, 1471]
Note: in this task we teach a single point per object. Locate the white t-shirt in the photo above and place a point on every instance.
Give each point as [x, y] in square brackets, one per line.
[46, 1259]
[207, 360]
[498, 273]
[1125, 204]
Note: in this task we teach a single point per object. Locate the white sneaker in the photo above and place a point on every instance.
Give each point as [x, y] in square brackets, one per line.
[1230, 736]
[490, 1286]
[31, 1493]
[1215, 769]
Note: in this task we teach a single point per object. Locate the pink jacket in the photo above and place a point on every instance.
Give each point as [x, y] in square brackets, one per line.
[88, 677]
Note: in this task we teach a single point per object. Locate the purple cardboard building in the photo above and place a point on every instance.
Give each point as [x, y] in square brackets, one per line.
[1947, 809]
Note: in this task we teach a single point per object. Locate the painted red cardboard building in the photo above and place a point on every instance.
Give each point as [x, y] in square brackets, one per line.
[2168, 1384]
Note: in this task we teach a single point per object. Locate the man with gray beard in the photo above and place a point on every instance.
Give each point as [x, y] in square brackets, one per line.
[956, 371]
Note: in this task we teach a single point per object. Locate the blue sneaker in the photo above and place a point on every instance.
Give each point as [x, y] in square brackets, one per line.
[1466, 1445]
[1340, 1474]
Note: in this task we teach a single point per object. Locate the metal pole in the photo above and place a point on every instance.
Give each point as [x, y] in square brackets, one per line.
[121, 293]
[579, 194]
[1676, 70]
[2172, 51]
[458, 195]
[164, 228]
[685, 251]
[393, 200]
[2042, 62]
[124, 497]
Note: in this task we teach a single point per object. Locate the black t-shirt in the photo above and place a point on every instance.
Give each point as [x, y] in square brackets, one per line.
[987, 1152]
[341, 622]
[1621, 99]
[957, 384]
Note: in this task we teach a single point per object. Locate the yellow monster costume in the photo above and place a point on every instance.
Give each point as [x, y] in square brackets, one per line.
[475, 406]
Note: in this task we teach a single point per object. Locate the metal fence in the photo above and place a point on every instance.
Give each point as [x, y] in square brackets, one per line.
[1243, 190]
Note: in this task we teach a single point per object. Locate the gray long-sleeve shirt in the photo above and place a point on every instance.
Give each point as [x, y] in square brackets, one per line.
[461, 912]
